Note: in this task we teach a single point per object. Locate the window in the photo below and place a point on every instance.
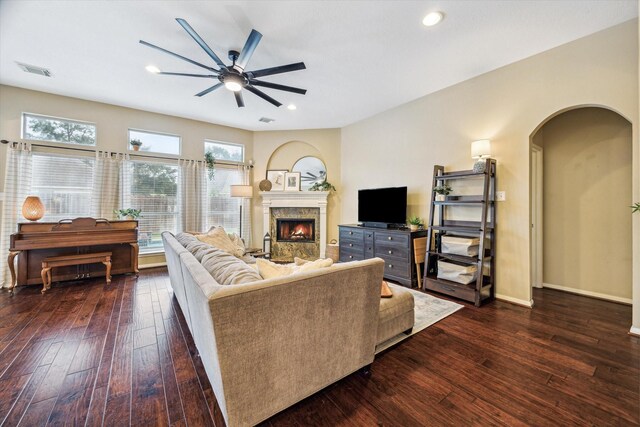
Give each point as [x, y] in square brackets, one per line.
[64, 184]
[153, 188]
[222, 209]
[225, 151]
[43, 128]
[156, 142]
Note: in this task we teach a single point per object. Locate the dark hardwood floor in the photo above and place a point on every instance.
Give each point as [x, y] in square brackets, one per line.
[90, 354]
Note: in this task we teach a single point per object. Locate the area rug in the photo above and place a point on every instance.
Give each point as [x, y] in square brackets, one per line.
[428, 310]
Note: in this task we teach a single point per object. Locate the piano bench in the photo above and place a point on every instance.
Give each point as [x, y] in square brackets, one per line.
[67, 260]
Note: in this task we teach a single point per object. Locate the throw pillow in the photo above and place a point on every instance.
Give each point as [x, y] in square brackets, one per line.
[238, 242]
[268, 269]
[385, 290]
[300, 261]
[226, 269]
[315, 265]
[219, 238]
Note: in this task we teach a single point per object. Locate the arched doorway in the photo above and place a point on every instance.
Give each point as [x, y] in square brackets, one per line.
[581, 190]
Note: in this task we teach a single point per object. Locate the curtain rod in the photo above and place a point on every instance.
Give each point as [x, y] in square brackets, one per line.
[144, 156]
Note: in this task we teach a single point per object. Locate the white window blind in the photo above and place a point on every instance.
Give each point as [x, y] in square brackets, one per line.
[153, 188]
[222, 209]
[64, 184]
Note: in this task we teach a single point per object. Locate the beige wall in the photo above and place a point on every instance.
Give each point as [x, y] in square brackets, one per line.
[112, 124]
[400, 146]
[280, 150]
[587, 194]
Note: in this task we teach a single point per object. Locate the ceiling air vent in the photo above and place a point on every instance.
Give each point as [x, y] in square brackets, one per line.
[266, 120]
[34, 69]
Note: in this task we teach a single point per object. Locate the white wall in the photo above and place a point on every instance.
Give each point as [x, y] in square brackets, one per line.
[400, 146]
[587, 194]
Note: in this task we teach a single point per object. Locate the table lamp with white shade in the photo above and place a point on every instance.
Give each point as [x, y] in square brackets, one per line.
[480, 150]
[245, 192]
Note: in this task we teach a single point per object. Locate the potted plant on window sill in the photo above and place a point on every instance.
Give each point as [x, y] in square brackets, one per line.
[442, 191]
[128, 213]
[135, 144]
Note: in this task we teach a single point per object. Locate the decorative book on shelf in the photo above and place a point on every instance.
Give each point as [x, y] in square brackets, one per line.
[460, 257]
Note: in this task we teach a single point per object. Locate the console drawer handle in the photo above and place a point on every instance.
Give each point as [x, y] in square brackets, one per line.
[390, 238]
[351, 244]
[390, 265]
[350, 256]
[390, 252]
[351, 232]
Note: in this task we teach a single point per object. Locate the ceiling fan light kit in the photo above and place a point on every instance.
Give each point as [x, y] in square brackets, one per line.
[233, 77]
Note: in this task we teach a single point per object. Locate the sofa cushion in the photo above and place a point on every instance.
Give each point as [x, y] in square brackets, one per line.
[219, 238]
[226, 269]
[184, 238]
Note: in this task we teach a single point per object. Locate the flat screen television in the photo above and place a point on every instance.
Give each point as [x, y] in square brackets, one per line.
[379, 207]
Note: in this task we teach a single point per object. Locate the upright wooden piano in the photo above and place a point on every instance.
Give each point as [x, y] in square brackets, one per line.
[35, 241]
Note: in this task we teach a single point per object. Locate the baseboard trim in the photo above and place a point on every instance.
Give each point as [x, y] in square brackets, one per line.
[516, 301]
[597, 295]
[634, 331]
[154, 265]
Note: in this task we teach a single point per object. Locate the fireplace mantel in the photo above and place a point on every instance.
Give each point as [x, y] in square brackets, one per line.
[297, 199]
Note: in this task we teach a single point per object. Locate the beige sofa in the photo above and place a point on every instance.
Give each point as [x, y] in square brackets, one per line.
[268, 344]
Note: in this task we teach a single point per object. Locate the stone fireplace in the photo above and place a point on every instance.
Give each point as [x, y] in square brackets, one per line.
[297, 223]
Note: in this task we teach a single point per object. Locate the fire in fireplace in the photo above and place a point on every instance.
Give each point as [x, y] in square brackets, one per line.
[295, 230]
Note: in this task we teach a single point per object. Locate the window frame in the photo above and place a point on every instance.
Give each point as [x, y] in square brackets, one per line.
[153, 153]
[23, 130]
[128, 193]
[232, 144]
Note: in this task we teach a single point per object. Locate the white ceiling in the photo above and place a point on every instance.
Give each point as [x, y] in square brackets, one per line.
[362, 57]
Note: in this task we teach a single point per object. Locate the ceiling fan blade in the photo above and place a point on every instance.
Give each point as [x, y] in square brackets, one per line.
[188, 75]
[276, 70]
[239, 99]
[277, 86]
[262, 95]
[201, 42]
[179, 56]
[249, 46]
[211, 89]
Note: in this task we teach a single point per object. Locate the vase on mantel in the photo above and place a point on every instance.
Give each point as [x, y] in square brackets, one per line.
[440, 197]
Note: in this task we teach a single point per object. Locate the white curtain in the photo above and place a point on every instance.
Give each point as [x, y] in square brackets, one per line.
[107, 174]
[193, 195]
[16, 188]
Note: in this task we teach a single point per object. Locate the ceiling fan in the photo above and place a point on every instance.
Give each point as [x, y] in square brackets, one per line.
[234, 77]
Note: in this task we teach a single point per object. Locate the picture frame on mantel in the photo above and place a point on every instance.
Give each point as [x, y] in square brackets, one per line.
[277, 178]
[292, 181]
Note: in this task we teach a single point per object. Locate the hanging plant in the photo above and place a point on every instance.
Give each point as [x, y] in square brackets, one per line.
[211, 164]
[635, 207]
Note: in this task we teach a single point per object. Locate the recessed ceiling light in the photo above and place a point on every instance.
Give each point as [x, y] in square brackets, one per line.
[291, 107]
[432, 18]
[152, 69]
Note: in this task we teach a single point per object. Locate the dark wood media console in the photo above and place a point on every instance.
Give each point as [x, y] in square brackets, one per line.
[394, 246]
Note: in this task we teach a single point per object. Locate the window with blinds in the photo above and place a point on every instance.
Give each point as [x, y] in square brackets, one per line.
[152, 188]
[222, 209]
[64, 184]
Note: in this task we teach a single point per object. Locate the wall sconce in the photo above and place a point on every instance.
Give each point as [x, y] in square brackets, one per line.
[480, 150]
[33, 208]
